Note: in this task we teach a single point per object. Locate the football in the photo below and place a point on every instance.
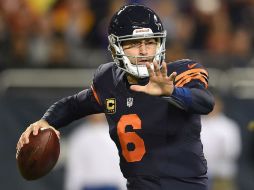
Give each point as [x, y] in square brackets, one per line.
[39, 156]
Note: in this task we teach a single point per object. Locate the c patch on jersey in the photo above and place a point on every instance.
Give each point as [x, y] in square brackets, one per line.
[110, 105]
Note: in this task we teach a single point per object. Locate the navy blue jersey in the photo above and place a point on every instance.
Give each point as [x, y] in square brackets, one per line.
[153, 136]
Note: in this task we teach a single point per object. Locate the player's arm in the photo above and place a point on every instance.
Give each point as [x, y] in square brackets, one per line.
[72, 108]
[196, 100]
[185, 88]
[190, 89]
[62, 113]
[66, 110]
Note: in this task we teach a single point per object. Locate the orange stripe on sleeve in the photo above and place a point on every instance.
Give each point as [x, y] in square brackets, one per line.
[197, 77]
[191, 71]
[95, 95]
[191, 75]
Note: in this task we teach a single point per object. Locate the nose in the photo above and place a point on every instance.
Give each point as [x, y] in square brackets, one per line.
[143, 49]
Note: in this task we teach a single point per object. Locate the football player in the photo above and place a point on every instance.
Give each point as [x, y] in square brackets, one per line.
[153, 109]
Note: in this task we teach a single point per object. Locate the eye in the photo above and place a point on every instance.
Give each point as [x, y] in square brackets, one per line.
[132, 44]
[151, 42]
[135, 44]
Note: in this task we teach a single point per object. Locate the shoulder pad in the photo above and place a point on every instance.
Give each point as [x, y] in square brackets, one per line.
[102, 69]
[102, 75]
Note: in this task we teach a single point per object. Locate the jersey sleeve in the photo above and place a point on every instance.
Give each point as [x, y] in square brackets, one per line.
[191, 74]
[74, 107]
[191, 83]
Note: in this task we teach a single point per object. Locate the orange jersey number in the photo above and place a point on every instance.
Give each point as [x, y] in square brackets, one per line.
[127, 138]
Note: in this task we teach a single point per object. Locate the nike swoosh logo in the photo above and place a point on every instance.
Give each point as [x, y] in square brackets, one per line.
[190, 66]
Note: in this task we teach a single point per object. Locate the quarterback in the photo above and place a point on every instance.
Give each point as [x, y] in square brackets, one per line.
[152, 107]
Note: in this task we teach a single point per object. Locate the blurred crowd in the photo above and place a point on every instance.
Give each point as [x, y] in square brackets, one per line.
[73, 33]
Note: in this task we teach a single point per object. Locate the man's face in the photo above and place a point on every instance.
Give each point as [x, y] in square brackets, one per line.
[142, 47]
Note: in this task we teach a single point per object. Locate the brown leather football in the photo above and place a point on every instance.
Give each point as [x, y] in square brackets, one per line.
[39, 156]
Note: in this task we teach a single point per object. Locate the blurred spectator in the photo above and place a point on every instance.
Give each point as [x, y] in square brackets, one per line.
[92, 161]
[241, 43]
[74, 19]
[59, 52]
[40, 7]
[222, 146]
[4, 43]
[40, 42]
[102, 9]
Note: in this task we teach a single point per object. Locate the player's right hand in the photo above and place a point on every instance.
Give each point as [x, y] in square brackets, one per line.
[34, 128]
[160, 84]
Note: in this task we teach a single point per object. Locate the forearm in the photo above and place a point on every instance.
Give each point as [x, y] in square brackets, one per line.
[202, 101]
[71, 108]
[195, 100]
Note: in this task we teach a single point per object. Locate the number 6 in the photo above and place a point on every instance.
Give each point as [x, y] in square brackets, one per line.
[126, 138]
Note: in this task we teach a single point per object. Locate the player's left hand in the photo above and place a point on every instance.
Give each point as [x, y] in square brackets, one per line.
[160, 84]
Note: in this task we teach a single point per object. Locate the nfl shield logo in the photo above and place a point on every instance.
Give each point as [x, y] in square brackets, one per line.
[129, 102]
